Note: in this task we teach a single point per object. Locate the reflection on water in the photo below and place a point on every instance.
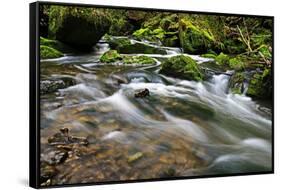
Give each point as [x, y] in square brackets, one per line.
[184, 128]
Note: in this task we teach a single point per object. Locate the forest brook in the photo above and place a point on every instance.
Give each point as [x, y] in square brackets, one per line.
[133, 95]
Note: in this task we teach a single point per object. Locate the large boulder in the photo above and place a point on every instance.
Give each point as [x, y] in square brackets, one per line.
[194, 39]
[80, 27]
[260, 85]
[182, 67]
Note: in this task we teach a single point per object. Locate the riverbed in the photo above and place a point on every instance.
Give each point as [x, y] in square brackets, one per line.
[183, 128]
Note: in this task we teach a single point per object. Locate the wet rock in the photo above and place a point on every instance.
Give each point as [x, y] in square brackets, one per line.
[126, 46]
[135, 157]
[54, 157]
[47, 52]
[237, 83]
[182, 67]
[63, 138]
[260, 85]
[47, 172]
[142, 93]
[49, 86]
[110, 56]
[169, 172]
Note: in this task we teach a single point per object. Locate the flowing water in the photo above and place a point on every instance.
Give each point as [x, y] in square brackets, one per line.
[184, 128]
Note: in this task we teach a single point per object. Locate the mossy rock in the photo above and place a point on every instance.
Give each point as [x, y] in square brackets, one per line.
[194, 39]
[110, 56]
[182, 67]
[222, 59]
[79, 27]
[260, 85]
[56, 45]
[47, 52]
[236, 63]
[142, 60]
[116, 43]
[236, 84]
[209, 55]
[125, 46]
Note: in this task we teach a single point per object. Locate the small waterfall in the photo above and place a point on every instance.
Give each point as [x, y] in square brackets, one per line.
[220, 84]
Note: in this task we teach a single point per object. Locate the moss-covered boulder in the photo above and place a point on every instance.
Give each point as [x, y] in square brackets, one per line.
[142, 60]
[236, 63]
[237, 83]
[182, 67]
[194, 39]
[47, 52]
[222, 59]
[80, 27]
[56, 45]
[162, 27]
[260, 85]
[110, 56]
[126, 46]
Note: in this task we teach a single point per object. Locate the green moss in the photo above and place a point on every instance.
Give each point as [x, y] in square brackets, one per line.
[182, 67]
[222, 59]
[193, 39]
[56, 45]
[124, 45]
[236, 63]
[138, 60]
[236, 84]
[110, 56]
[209, 55]
[260, 85]
[48, 52]
[141, 33]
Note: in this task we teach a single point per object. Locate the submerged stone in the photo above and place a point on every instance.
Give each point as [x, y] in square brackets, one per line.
[54, 157]
[142, 93]
[135, 157]
[50, 86]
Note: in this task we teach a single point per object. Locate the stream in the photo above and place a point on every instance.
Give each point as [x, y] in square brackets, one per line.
[183, 128]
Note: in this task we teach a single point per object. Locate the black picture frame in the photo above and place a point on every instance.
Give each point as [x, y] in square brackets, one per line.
[34, 94]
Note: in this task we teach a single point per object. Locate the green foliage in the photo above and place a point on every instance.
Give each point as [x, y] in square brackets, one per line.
[222, 59]
[110, 56]
[47, 52]
[183, 67]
